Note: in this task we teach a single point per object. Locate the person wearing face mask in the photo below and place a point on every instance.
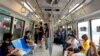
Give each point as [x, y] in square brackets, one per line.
[28, 40]
[85, 44]
[7, 48]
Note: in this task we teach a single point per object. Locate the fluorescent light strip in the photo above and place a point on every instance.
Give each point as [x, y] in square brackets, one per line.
[41, 20]
[59, 21]
[77, 8]
[26, 5]
[31, 6]
[74, 7]
[37, 16]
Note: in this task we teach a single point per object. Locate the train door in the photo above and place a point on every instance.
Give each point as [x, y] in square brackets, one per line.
[95, 25]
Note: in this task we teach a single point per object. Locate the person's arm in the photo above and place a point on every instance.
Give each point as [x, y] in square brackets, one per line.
[70, 45]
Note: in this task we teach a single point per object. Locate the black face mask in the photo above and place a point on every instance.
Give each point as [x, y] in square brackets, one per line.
[9, 40]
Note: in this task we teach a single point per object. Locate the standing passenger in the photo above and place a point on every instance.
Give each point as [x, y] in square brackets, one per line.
[46, 34]
[41, 34]
[36, 34]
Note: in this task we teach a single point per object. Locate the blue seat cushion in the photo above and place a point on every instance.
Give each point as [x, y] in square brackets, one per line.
[23, 43]
[17, 44]
[20, 44]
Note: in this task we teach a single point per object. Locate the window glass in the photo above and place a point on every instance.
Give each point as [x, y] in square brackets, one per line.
[5, 25]
[96, 31]
[18, 28]
[83, 28]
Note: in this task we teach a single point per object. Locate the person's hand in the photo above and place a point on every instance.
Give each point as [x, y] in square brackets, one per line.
[14, 51]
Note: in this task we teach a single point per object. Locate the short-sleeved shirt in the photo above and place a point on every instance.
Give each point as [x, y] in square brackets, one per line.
[86, 46]
[6, 48]
[75, 43]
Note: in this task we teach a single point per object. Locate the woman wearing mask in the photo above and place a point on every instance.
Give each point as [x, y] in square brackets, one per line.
[85, 44]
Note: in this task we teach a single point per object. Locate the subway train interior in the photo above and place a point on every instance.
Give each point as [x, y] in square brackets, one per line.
[49, 27]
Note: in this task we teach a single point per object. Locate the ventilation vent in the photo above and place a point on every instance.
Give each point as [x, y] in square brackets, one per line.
[56, 10]
[48, 9]
[55, 1]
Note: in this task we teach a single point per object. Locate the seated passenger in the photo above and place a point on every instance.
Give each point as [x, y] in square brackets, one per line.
[85, 44]
[67, 42]
[7, 47]
[28, 40]
[73, 48]
[84, 47]
[93, 50]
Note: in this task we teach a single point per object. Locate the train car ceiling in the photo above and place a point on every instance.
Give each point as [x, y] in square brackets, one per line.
[64, 10]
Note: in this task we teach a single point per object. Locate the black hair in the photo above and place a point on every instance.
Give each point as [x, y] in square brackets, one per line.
[46, 24]
[7, 36]
[40, 23]
[27, 32]
[72, 35]
[36, 25]
[85, 37]
[60, 26]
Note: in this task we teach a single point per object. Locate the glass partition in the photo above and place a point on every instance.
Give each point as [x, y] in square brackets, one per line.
[83, 28]
[31, 28]
[95, 31]
[5, 25]
[18, 28]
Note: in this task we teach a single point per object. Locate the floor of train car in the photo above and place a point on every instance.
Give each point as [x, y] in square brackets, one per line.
[56, 51]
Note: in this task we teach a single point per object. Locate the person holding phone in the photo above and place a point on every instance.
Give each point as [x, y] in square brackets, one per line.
[7, 47]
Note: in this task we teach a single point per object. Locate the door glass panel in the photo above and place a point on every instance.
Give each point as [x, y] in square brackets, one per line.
[96, 31]
[5, 25]
[18, 28]
[83, 28]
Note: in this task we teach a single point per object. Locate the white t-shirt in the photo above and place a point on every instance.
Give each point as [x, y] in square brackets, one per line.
[75, 43]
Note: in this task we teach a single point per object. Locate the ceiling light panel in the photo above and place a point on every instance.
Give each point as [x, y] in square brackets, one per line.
[26, 6]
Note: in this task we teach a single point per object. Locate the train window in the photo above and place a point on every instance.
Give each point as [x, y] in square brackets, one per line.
[5, 25]
[95, 30]
[83, 28]
[18, 28]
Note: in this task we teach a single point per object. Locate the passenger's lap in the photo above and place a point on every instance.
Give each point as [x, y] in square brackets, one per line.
[78, 54]
[75, 54]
